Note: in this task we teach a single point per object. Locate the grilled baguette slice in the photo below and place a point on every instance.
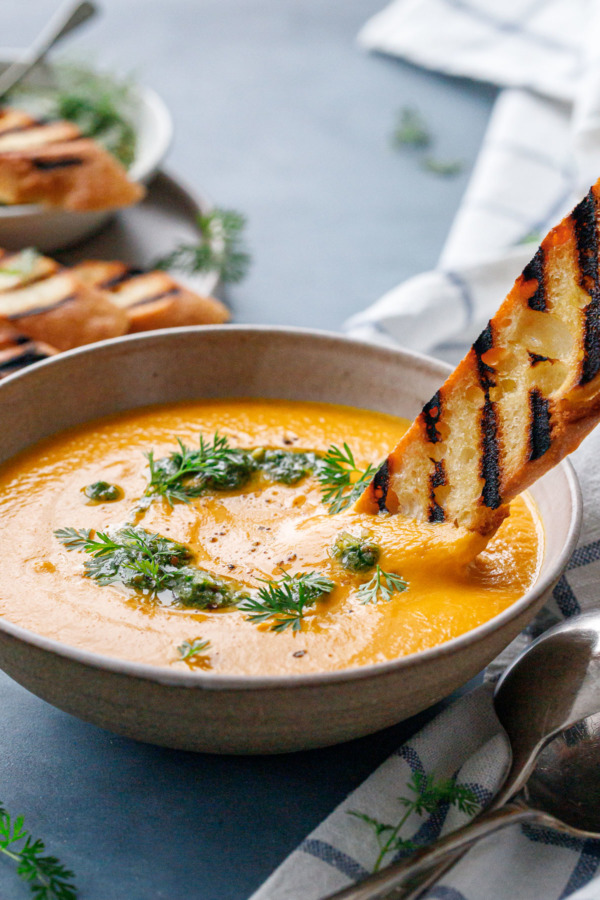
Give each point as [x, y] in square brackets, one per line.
[150, 299]
[54, 307]
[18, 351]
[52, 163]
[12, 119]
[24, 267]
[524, 396]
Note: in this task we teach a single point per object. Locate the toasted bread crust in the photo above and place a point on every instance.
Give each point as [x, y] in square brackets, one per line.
[151, 299]
[43, 301]
[524, 396]
[48, 303]
[53, 164]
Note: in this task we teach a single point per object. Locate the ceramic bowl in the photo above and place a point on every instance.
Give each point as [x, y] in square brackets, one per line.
[248, 714]
[48, 229]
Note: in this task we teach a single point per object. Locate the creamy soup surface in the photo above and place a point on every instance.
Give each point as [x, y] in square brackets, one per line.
[248, 534]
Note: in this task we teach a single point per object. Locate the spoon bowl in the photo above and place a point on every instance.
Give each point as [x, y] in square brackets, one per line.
[565, 780]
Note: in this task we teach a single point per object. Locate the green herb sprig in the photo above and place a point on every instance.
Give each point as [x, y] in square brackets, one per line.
[285, 600]
[129, 555]
[411, 129]
[220, 248]
[48, 879]
[216, 465]
[192, 650]
[356, 553]
[428, 795]
[189, 472]
[149, 563]
[102, 492]
[446, 168]
[286, 466]
[381, 586]
[342, 481]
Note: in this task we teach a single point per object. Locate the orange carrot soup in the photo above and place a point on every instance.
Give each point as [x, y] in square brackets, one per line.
[220, 536]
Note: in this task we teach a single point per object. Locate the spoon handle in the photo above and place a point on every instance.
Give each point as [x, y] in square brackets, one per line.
[398, 880]
[68, 17]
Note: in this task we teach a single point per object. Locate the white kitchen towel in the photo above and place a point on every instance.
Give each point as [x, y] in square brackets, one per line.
[540, 154]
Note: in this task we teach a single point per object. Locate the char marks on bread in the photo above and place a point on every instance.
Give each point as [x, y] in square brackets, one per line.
[150, 299]
[54, 164]
[68, 307]
[47, 303]
[524, 396]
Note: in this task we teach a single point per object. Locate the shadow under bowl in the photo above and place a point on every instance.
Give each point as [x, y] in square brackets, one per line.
[203, 711]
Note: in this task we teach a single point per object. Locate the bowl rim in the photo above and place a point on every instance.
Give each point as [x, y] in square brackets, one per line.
[232, 682]
[161, 140]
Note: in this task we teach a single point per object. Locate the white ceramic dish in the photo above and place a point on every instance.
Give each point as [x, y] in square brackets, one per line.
[250, 714]
[34, 225]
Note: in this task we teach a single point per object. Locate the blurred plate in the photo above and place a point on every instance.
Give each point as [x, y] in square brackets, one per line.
[140, 234]
[49, 229]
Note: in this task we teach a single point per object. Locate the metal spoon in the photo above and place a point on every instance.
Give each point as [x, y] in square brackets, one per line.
[69, 16]
[551, 689]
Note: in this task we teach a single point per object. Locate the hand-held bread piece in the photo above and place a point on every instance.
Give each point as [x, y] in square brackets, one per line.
[150, 299]
[524, 396]
[52, 163]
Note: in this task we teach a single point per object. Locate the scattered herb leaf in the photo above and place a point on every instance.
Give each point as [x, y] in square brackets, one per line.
[411, 129]
[355, 553]
[103, 492]
[48, 879]
[220, 248]
[342, 482]
[445, 168]
[429, 795]
[285, 600]
[532, 237]
[381, 586]
[191, 649]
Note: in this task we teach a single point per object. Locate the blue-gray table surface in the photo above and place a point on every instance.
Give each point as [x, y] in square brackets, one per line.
[278, 113]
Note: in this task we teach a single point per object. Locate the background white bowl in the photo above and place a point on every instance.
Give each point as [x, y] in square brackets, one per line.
[48, 229]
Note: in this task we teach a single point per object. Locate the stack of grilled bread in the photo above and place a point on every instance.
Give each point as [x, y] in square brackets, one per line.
[52, 163]
[46, 307]
[525, 395]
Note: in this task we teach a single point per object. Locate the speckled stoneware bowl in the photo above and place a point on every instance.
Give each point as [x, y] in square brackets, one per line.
[246, 714]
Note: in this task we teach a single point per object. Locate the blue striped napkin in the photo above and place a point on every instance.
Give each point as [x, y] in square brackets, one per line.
[539, 156]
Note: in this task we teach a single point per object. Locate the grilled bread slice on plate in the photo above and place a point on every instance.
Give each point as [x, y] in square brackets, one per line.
[150, 299]
[52, 163]
[524, 396]
[17, 351]
[47, 303]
